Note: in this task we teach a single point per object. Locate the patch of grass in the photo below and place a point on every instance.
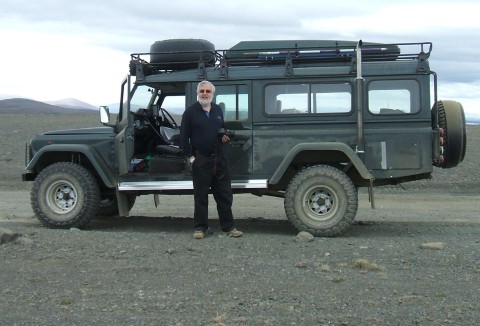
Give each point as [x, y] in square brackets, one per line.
[365, 265]
[66, 302]
[219, 320]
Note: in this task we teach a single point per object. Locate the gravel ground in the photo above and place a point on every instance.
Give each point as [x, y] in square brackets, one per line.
[414, 260]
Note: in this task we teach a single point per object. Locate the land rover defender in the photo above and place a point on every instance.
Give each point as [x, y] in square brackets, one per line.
[313, 121]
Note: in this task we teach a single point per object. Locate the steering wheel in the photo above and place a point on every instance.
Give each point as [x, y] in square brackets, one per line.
[168, 118]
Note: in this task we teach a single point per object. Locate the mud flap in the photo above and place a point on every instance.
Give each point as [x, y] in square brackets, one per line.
[371, 199]
[122, 200]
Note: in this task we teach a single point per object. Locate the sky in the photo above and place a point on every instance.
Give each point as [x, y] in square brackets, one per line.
[56, 49]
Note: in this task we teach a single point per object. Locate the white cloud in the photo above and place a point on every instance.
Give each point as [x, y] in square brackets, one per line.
[468, 94]
[403, 22]
[469, 90]
[54, 49]
[53, 66]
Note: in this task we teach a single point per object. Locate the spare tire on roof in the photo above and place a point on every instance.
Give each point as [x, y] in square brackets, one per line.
[177, 54]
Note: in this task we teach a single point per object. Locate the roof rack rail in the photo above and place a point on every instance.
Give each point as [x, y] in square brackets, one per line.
[260, 53]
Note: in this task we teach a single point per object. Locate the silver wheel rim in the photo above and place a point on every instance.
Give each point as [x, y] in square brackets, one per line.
[320, 203]
[61, 197]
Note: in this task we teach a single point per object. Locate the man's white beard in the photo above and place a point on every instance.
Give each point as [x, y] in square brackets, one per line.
[204, 103]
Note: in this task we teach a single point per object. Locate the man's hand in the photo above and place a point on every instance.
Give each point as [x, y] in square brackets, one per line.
[225, 139]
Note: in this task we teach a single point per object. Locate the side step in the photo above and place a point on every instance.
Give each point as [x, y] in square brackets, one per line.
[185, 185]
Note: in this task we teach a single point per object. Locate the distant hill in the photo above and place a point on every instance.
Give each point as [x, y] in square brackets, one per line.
[72, 104]
[22, 105]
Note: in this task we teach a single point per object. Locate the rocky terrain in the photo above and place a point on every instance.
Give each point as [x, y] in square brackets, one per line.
[414, 260]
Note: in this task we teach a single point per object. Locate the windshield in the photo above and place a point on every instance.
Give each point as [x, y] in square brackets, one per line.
[142, 97]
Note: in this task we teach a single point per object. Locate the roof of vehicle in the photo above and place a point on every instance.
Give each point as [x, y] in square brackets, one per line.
[280, 59]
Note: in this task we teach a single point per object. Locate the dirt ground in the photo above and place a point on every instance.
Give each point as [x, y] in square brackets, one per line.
[413, 260]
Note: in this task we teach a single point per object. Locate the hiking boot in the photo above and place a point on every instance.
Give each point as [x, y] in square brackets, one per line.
[198, 234]
[235, 233]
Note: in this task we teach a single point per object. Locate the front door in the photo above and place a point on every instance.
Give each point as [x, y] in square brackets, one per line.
[235, 102]
[124, 140]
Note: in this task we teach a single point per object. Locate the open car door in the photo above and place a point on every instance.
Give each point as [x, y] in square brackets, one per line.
[124, 140]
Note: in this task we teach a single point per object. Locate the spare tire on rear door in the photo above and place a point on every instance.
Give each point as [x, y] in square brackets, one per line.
[452, 119]
[177, 54]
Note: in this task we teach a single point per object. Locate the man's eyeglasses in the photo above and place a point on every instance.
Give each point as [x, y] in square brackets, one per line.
[205, 91]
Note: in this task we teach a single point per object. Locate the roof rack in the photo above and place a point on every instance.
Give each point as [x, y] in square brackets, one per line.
[261, 53]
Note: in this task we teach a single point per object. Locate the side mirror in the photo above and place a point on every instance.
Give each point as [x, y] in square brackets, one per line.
[104, 114]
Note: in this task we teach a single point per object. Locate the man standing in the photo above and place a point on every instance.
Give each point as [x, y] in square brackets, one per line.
[202, 143]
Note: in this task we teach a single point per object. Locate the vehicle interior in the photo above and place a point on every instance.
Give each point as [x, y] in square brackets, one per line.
[156, 141]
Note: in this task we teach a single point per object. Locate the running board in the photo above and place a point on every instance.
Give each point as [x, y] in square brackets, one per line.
[185, 185]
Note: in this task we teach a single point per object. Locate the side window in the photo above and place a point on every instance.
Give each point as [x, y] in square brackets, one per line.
[393, 97]
[289, 99]
[308, 98]
[233, 99]
[331, 98]
[175, 105]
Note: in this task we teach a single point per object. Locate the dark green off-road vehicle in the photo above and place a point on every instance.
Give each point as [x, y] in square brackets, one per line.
[313, 121]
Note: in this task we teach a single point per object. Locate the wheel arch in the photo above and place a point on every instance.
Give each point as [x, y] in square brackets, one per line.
[82, 154]
[320, 153]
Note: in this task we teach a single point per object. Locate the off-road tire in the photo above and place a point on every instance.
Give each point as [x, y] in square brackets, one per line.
[451, 118]
[321, 200]
[191, 51]
[65, 195]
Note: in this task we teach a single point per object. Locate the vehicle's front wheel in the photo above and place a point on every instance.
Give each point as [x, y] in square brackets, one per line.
[65, 195]
[321, 200]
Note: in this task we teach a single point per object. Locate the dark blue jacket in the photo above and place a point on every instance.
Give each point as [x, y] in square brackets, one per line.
[199, 132]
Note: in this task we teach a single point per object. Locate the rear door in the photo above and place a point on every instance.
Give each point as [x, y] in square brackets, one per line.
[398, 127]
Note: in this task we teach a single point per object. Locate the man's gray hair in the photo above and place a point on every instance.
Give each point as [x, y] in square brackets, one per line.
[205, 82]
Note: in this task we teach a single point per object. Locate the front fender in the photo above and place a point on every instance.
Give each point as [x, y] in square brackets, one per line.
[101, 167]
[327, 146]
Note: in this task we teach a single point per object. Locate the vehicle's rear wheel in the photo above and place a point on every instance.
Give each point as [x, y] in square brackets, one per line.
[65, 195]
[187, 53]
[321, 200]
[452, 119]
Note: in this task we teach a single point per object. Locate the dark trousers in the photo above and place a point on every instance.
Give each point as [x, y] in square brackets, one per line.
[211, 172]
